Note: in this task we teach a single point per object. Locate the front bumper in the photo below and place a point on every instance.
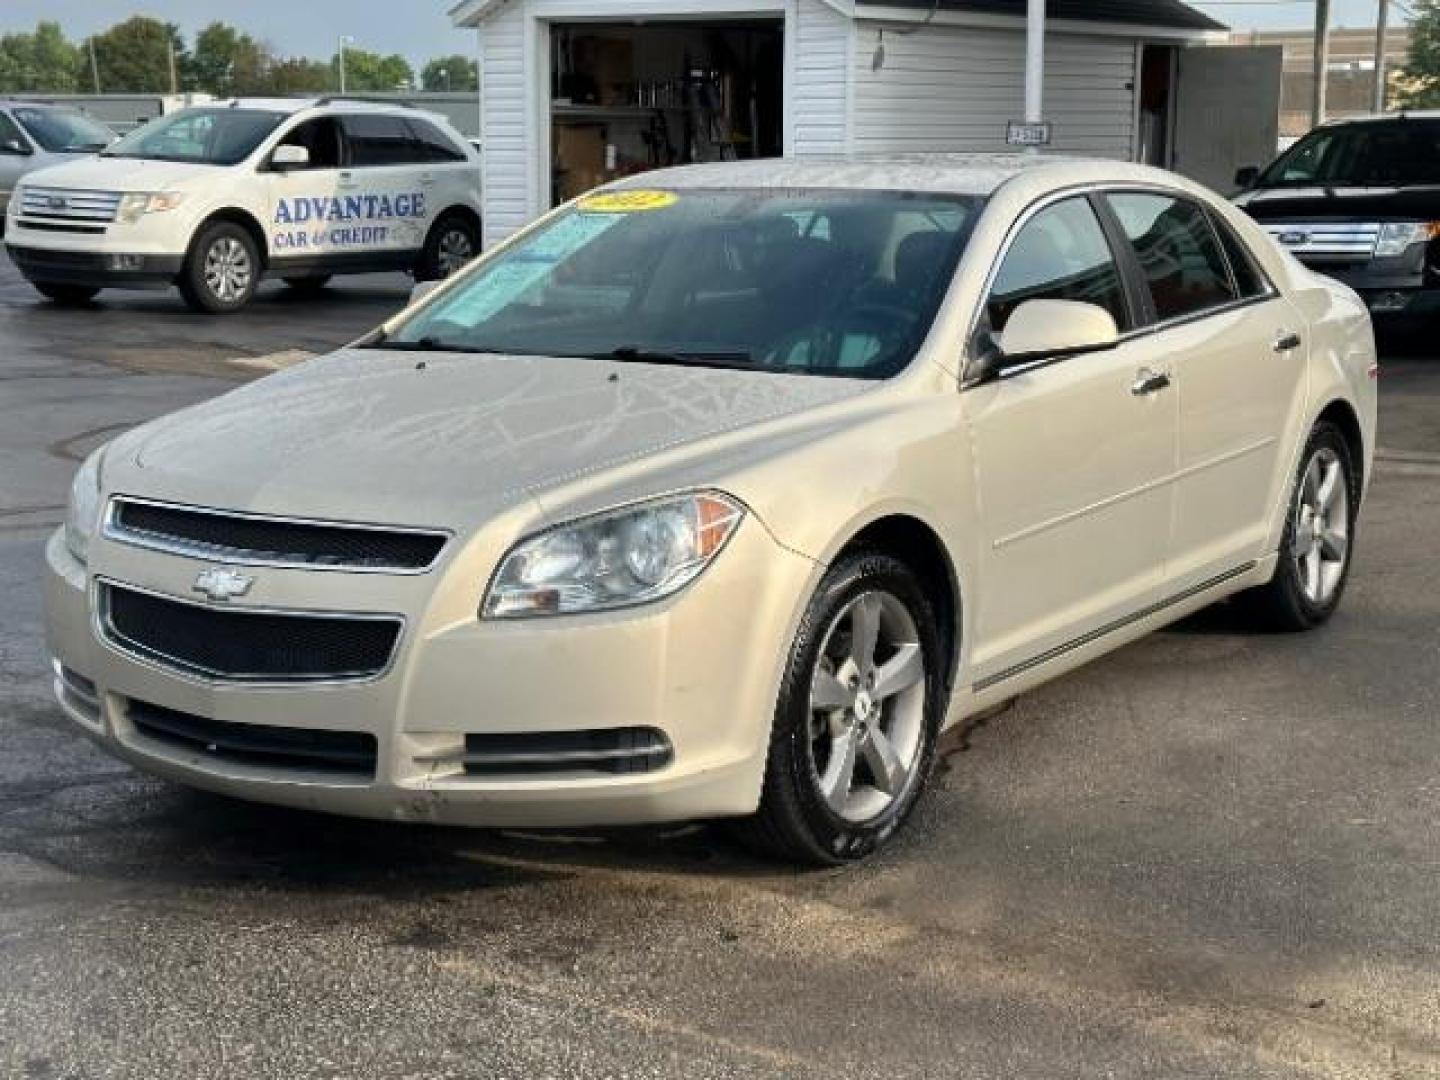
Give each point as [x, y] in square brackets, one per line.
[60, 266]
[1398, 285]
[702, 668]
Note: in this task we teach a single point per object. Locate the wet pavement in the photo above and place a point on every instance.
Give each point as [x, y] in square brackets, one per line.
[1211, 854]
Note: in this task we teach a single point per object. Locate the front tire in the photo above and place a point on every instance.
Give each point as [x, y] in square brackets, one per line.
[452, 243]
[860, 706]
[222, 269]
[1318, 542]
[66, 295]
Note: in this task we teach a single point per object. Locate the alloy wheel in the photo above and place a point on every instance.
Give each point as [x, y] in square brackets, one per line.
[228, 269]
[454, 251]
[1321, 544]
[867, 707]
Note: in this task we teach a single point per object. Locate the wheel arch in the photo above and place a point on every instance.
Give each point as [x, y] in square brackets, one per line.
[916, 543]
[246, 220]
[1344, 416]
[463, 210]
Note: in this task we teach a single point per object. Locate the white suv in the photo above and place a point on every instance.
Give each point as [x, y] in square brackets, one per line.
[216, 197]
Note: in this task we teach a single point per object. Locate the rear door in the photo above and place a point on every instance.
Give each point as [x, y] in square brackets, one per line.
[389, 173]
[1238, 352]
[1073, 458]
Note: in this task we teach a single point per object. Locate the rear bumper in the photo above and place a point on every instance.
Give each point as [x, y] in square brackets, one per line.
[95, 269]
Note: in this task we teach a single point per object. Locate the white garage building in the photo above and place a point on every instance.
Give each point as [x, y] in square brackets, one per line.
[576, 92]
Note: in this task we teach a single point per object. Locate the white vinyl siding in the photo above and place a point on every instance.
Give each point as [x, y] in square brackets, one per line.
[508, 144]
[819, 91]
[951, 89]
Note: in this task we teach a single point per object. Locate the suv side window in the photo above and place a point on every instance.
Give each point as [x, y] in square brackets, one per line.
[433, 144]
[10, 132]
[377, 139]
[1059, 254]
[321, 137]
[1178, 252]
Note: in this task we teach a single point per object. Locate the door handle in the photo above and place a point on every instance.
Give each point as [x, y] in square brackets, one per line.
[1149, 381]
[347, 179]
[1286, 340]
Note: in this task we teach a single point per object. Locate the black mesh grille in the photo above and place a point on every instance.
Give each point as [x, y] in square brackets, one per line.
[249, 645]
[610, 750]
[263, 540]
[348, 752]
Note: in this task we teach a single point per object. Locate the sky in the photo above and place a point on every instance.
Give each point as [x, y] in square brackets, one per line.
[310, 27]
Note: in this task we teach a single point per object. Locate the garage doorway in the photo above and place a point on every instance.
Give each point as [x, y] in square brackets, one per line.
[626, 98]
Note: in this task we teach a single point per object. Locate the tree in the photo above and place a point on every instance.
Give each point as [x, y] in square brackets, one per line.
[43, 62]
[226, 62]
[1419, 85]
[450, 73]
[134, 56]
[297, 75]
[368, 71]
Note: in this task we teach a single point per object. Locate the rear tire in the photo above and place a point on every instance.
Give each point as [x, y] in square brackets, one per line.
[853, 740]
[453, 241]
[1317, 546]
[222, 269]
[66, 295]
[308, 286]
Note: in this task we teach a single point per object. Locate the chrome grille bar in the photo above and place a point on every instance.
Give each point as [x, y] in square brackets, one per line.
[68, 204]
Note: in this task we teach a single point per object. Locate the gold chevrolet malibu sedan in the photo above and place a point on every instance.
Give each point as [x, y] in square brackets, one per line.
[720, 493]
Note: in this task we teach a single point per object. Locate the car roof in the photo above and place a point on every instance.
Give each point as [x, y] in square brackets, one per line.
[951, 174]
[291, 106]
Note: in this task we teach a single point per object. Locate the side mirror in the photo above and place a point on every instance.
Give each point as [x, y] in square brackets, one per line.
[1042, 330]
[1246, 176]
[422, 289]
[15, 146]
[288, 156]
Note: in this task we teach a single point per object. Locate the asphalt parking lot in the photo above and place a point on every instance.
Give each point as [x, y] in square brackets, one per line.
[1213, 854]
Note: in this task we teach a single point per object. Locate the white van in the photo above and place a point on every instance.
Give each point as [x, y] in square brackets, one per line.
[215, 197]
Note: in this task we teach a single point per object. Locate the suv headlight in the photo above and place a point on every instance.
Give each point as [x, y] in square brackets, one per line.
[137, 204]
[1396, 236]
[84, 508]
[630, 555]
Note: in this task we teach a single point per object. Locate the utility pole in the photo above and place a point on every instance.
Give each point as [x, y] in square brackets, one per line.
[1034, 62]
[94, 65]
[1381, 19]
[174, 81]
[1322, 61]
[345, 39]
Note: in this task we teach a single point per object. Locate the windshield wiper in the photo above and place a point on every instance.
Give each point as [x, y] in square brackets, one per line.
[633, 354]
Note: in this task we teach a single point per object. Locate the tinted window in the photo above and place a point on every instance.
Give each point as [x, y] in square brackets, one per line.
[1059, 254]
[433, 144]
[1393, 153]
[380, 140]
[792, 280]
[1178, 253]
[1249, 278]
[321, 137]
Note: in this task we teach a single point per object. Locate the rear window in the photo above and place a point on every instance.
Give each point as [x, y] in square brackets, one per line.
[380, 140]
[433, 144]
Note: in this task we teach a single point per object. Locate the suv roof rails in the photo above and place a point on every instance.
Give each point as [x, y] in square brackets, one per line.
[330, 99]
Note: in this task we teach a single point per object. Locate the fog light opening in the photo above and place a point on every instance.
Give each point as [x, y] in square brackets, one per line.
[1390, 301]
[125, 262]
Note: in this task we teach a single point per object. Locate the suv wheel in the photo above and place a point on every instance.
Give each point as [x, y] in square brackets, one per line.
[222, 269]
[860, 707]
[1315, 551]
[66, 295]
[452, 243]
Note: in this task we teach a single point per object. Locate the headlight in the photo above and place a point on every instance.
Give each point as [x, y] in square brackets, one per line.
[84, 508]
[627, 556]
[1396, 236]
[137, 204]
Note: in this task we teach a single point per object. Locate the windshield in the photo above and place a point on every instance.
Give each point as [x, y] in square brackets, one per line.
[823, 282]
[1398, 153]
[64, 131]
[207, 136]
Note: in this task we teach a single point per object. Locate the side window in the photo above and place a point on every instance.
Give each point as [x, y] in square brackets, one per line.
[376, 139]
[1249, 278]
[10, 133]
[321, 137]
[1059, 254]
[432, 143]
[1178, 252]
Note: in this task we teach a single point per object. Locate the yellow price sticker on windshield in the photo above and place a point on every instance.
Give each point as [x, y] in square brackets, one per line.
[627, 202]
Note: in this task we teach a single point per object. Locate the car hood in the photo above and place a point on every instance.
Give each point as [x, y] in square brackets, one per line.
[97, 173]
[1345, 203]
[439, 438]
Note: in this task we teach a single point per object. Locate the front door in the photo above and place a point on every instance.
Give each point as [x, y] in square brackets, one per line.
[1074, 458]
[300, 213]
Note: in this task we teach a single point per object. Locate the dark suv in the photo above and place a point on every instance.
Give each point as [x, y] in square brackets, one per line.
[1360, 200]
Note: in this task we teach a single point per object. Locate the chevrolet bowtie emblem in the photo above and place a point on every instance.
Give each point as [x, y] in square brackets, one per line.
[222, 584]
